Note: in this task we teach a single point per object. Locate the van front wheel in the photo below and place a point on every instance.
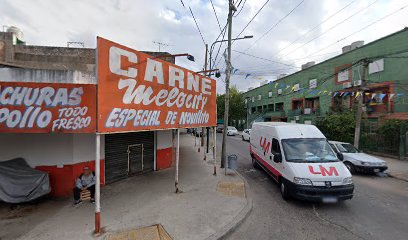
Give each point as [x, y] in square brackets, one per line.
[284, 190]
[254, 163]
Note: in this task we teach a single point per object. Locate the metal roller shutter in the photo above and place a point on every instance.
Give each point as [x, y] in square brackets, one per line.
[117, 166]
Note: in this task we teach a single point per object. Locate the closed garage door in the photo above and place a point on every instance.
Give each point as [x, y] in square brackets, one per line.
[127, 154]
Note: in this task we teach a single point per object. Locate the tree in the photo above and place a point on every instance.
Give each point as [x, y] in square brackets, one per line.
[338, 126]
[236, 107]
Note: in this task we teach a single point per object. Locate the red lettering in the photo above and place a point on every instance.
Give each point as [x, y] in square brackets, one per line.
[312, 170]
[332, 170]
[324, 171]
[265, 145]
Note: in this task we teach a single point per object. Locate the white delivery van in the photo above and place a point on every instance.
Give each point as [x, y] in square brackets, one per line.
[301, 160]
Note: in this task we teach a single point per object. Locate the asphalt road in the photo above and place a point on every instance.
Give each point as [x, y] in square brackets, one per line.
[378, 210]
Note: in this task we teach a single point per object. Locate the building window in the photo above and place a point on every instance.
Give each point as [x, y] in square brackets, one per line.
[270, 107]
[279, 91]
[253, 99]
[270, 94]
[312, 103]
[259, 97]
[376, 66]
[343, 74]
[296, 87]
[253, 109]
[279, 107]
[246, 101]
[313, 83]
[259, 109]
[297, 104]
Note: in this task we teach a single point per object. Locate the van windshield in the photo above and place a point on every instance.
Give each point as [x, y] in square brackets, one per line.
[308, 150]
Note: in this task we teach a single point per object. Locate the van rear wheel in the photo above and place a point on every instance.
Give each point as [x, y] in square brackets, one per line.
[284, 190]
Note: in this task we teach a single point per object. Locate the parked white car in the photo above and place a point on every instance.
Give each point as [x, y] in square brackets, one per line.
[231, 131]
[246, 134]
[355, 160]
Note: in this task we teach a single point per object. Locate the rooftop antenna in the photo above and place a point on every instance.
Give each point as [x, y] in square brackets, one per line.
[161, 44]
[76, 44]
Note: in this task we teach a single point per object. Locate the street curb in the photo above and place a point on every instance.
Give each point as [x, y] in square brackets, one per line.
[236, 222]
[397, 177]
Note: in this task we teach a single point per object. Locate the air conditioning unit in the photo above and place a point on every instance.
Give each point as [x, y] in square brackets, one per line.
[357, 83]
[297, 118]
[347, 85]
[307, 111]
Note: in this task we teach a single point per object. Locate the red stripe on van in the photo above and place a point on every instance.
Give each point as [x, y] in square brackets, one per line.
[267, 165]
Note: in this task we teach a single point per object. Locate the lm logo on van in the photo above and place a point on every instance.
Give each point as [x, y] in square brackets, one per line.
[324, 171]
[265, 145]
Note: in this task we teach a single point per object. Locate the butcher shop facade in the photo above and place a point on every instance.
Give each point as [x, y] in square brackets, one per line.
[120, 113]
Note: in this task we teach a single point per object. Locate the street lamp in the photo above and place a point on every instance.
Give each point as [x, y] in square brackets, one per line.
[226, 40]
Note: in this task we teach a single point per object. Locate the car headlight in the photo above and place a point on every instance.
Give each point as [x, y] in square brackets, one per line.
[364, 163]
[347, 181]
[302, 181]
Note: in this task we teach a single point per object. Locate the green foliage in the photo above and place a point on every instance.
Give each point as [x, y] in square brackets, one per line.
[338, 126]
[390, 131]
[236, 105]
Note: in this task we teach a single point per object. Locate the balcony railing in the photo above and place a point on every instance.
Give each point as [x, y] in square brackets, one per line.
[304, 111]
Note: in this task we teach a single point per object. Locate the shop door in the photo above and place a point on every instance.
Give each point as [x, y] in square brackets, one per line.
[135, 159]
[127, 154]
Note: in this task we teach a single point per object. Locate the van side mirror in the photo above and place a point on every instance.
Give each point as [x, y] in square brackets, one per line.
[277, 157]
[340, 156]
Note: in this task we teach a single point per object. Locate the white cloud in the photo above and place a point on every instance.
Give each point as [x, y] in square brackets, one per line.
[137, 23]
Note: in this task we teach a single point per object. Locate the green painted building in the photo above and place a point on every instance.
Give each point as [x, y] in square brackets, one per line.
[319, 89]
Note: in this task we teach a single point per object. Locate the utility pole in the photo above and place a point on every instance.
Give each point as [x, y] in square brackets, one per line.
[227, 80]
[360, 105]
[205, 69]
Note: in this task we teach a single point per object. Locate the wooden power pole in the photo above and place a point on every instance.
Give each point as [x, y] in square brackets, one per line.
[227, 80]
[360, 105]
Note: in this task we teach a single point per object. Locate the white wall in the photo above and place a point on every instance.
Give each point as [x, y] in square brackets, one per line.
[49, 149]
[37, 149]
[164, 139]
[43, 75]
[84, 147]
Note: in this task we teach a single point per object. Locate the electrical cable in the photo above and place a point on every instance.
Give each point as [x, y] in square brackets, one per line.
[256, 14]
[331, 28]
[276, 24]
[363, 28]
[241, 8]
[215, 13]
[198, 28]
[315, 27]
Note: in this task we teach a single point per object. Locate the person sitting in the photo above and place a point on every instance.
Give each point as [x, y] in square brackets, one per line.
[86, 181]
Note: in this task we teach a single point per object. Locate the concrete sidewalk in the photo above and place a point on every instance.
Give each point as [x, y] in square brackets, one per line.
[206, 208]
[396, 168]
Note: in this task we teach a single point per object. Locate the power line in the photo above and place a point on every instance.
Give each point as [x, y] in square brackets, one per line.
[215, 13]
[363, 28]
[241, 8]
[315, 27]
[198, 28]
[265, 59]
[276, 24]
[256, 14]
[336, 25]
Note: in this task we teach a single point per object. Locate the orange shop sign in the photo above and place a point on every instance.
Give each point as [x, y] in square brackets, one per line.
[139, 92]
[47, 108]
